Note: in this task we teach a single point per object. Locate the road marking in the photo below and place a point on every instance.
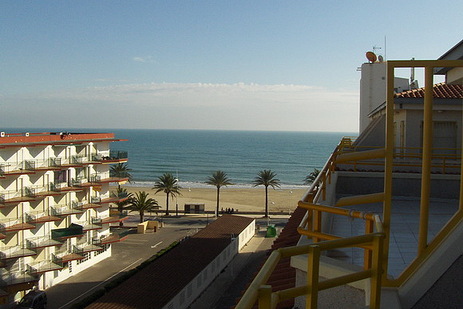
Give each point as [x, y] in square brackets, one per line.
[69, 302]
[152, 247]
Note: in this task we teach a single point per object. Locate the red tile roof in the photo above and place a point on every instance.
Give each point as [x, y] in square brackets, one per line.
[284, 276]
[440, 91]
[160, 281]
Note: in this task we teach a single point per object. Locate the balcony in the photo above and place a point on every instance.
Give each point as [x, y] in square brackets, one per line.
[21, 281]
[74, 230]
[37, 217]
[66, 256]
[115, 219]
[72, 185]
[41, 242]
[14, 225]
[94, 224]
[18, 168]
[50, 164]
[92, 204]
[88, 247]
[13, 197]
[115, 157]
[50, 190]
[14, 252]
[41, 267]
[116, 236]
[73, 161]
[2, 172]
[114, 198]
[66, 210]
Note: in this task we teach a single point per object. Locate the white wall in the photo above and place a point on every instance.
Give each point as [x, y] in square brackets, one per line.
[193, 289]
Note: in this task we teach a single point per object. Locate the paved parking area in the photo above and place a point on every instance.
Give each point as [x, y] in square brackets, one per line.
[125, 256]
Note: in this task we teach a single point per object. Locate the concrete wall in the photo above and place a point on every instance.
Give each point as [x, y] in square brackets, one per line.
[373, 89]
[442, 186]
[193, 289]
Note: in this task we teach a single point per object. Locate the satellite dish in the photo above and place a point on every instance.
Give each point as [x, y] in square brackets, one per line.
[371, 56]
[380, 58]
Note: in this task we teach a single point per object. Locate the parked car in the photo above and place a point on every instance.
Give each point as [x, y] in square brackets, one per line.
[33, 300]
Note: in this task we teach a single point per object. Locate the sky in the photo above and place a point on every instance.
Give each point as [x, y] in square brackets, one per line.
[221, 65]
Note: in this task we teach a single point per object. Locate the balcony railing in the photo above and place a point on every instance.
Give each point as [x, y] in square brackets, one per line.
[115, 219]
[42, 267]
[14, 197]
[14, 252]
[14, 224]
[66, 210]
[73, 161]
[115, 236]
[85, 247]
[40, 217]
[41, 242]
[61, 257]
[11, 278]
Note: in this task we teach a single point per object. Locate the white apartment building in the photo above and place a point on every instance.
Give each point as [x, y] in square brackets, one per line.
[54, 207]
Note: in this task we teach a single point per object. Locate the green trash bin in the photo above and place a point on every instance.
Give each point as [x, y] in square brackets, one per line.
[271, 231]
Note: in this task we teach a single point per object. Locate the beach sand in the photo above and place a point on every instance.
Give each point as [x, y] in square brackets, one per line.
[240, 199]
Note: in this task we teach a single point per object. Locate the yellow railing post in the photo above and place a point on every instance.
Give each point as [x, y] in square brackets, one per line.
[426, 161]
[312, 277]
[367, 254]
[375, 286]
[265, 297]
[389, 161]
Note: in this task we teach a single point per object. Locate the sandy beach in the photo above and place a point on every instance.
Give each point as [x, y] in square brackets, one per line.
[241, 199]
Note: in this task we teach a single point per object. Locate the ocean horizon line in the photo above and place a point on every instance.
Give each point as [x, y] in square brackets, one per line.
[87, 130]
[203, 185]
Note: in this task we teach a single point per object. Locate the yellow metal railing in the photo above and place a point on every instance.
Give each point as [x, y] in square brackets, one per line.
[376, 245]
[262, 293]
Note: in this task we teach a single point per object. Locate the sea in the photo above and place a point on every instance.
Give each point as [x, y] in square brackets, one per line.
[193, 155]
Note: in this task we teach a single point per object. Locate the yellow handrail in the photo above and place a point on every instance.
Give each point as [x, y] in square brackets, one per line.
[261, 292]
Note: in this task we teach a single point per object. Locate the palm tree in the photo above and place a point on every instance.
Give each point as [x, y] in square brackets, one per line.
[169, 185]
[125, 196]
[218, 179]
[311, 177]
[120, 170]
[141, 203]
[266, 178]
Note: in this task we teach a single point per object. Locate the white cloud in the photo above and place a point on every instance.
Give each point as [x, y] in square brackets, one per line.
[147, 59]
[193, 106]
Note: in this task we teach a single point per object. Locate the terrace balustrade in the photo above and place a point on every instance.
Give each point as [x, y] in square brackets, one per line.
[14, 252]
[39, 217]
[116, 154]
[41, 242]
[10, 278]
[95, 199]
[14, 196]
[74, 161]
[66, 209]
[43, 266]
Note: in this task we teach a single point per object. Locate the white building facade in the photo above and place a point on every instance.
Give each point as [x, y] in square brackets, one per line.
[54, 207]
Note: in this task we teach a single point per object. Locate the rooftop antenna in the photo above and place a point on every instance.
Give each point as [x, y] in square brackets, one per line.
[385, 48]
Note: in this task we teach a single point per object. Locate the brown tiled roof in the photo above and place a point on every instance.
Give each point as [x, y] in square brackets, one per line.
[155, 285]
[440, 91]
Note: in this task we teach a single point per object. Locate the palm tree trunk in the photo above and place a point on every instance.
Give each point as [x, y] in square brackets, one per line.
[218, 196]
[141, 216]
[167, 204]
[266, 201]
